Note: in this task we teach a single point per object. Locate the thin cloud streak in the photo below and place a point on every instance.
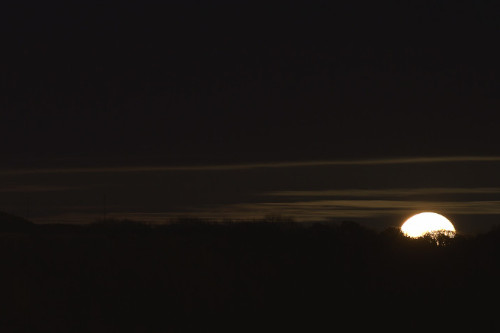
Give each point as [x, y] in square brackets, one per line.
[384, 192]
[36, 188]
[328, 209]
[228, 167]
[301, 211]
[323, 210]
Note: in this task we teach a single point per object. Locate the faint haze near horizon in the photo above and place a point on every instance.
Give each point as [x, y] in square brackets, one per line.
[379, 193]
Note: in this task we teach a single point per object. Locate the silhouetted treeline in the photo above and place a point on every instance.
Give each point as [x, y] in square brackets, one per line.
[266, 276]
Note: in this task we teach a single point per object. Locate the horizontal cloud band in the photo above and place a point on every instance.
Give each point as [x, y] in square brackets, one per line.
[385, 161]
[395, 192]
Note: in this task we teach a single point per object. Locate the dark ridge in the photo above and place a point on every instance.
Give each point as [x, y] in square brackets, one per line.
[13, 223]
[267, 276]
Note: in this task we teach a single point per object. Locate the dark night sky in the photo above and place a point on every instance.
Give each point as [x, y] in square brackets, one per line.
[193, 83]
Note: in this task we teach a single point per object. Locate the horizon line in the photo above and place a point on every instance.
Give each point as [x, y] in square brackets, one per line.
[248, 166]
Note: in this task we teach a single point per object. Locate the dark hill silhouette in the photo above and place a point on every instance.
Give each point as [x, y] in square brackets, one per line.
[120, 276]
[12, 223]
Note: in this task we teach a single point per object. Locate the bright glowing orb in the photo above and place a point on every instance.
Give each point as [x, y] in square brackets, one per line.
[423, 223]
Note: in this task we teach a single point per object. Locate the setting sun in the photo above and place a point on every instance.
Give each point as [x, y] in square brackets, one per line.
[428, 222]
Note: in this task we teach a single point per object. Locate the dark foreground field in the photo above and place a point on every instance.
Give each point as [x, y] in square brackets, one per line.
[252, 277]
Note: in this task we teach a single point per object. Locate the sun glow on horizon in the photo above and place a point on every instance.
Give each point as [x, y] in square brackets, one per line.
[420, 224]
